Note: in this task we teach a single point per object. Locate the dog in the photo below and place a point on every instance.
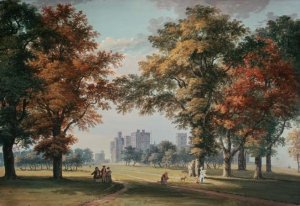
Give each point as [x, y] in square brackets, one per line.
[183, 178]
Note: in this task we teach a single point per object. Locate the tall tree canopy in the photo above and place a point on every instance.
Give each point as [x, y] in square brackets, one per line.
[256, 94]
[182, 78]
[75, 80]
[20, 27]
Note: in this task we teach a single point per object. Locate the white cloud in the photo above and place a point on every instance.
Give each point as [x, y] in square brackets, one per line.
[138, 44]
[237, 8]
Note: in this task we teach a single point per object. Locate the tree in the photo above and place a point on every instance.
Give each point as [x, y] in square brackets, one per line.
[131, 154]
[155, 159]
[257, 91]
[294, 149]
[20, 27]
[75, 80]
[170, 157]
[285, 32]
[181, 80]
[127, 154]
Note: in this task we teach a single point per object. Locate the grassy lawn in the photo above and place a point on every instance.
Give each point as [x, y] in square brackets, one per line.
[282, 185]
[37, 188]
[140, 194]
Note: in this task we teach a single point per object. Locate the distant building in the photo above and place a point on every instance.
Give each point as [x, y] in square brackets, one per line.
[181, 140]
[100, 157]
[116, 148]
[127, 141]
[140, 140]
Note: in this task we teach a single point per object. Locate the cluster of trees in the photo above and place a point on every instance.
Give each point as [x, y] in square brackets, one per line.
[29, 159]
[165, 154]
[77, 158]
[53, 77]
[232, 88]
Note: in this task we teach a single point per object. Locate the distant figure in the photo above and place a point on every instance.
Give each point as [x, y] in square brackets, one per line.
[202, 175]
[96, 174]
[191, 168]
[183, 178]
[108, 175]
[164, 178]
[103, 173]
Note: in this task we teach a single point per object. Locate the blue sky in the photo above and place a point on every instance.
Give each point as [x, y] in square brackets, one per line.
[124, 26]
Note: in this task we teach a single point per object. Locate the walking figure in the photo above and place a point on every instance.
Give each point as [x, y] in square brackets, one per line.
[108, 175]
[96, 174]
[103, 173]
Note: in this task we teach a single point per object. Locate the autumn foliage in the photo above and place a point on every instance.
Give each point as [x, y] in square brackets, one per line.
[74, 74]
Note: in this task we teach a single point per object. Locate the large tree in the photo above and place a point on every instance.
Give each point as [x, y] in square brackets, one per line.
[75, 79]
[256, 95]
[20, 27]
[182, 78]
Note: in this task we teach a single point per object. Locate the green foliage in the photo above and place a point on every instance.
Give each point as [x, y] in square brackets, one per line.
[182, 80]
[131, 154]
[20, 26]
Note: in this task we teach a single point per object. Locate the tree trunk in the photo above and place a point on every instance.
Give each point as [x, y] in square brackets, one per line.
[9, 160]
[57, 167]
[298, 161]
[227, 165]
[257, 172]
[268, 162]
[242, 159]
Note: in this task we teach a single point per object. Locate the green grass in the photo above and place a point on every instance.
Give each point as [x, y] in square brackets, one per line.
[281, 185]
[36, 188]
[140, 194]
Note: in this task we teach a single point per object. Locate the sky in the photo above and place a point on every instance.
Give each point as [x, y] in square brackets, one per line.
[124, 26]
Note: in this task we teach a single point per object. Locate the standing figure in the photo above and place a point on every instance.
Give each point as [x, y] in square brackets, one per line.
[202, 175]
[108, 175]
[103, 173]
[164, 178]
[96, 174]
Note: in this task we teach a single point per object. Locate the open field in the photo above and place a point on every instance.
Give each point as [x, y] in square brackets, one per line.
[37, 188]
[282, 185]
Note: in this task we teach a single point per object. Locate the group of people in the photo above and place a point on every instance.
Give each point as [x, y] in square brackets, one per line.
[103, 175]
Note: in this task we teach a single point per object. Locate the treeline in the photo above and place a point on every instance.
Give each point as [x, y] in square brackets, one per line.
[30, 160]
[166, 154]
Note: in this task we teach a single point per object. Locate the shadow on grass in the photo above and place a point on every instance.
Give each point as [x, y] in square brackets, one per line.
[69, 186]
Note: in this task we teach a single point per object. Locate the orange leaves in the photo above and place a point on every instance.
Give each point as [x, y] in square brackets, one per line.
[53, 146]
[264, 85]
[75, 78]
